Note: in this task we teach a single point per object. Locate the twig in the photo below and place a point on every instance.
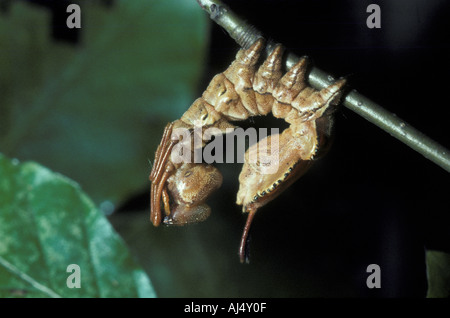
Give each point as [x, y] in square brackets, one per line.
[245, 34]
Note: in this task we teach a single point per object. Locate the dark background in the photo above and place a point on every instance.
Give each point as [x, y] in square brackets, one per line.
[370, 200]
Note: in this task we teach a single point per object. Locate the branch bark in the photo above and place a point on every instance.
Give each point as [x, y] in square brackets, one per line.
[245, 34]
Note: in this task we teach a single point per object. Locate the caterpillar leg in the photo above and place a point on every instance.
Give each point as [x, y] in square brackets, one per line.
[161, 171]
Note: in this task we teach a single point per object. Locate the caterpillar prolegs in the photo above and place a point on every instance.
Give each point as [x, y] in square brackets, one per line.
[246, 88]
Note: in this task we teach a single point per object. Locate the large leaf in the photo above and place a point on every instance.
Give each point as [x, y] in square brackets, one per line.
[94, 111]
[48, 223]
[438, 273]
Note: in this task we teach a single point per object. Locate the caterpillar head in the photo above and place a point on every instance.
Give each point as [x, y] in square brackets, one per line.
[188, 189]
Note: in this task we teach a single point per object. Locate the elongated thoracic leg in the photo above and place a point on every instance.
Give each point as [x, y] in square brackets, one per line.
[183, 187]
[160, 173]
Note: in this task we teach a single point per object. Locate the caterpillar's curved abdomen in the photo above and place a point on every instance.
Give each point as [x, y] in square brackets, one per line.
[248, 88]
[245, 90]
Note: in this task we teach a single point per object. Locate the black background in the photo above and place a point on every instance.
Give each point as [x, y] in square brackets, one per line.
[371, 199]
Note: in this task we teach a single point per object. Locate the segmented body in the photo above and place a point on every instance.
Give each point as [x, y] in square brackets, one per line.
[245, 89]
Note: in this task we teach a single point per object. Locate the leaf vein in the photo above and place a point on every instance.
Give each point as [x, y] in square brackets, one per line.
[13, 269]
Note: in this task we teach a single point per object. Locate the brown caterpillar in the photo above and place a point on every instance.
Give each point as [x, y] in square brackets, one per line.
[244, 90]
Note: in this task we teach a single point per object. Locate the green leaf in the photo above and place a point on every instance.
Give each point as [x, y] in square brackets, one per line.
[95, 110]
[438, 274]
[48, 223]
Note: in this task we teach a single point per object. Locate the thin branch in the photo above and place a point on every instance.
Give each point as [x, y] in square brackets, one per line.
[245, 34]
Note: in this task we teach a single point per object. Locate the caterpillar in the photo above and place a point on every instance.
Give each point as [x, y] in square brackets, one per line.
[245, 89]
